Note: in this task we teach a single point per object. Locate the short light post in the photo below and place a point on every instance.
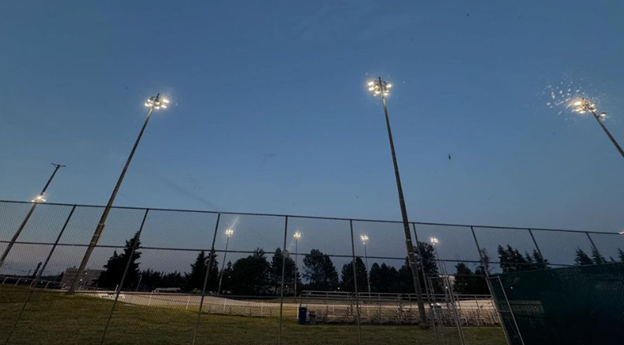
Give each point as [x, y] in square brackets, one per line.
[364, 239]
[228, 234]
[583, 106]
[153, 103]
[296, 236]
[38, 199]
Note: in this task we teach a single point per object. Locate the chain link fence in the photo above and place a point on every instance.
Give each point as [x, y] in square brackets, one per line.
[167, 276]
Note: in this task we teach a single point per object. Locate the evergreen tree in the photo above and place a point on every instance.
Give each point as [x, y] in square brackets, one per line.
[621, 254]
[582, 258]
[512, 261]
[320, 271]
[597, 258]
[250, 275]
[346, 283]
[275, 275]
[464, 279]
[384, 278]
[540, 262]
[195, 279]
[428, 263]
[116, 265]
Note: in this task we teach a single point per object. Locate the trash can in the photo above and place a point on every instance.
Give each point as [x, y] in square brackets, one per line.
[312, 317]
[301, 318]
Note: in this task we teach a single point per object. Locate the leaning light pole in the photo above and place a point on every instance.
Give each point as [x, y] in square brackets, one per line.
[228, 234]
[382, 88]
[296, 236]
[364, 239]
[583, 106]
[153, 103]
[39, 198]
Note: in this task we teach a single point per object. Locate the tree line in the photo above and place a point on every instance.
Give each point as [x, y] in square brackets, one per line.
[256, 274]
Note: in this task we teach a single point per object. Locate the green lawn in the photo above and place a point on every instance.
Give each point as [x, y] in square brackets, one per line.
[55, 318]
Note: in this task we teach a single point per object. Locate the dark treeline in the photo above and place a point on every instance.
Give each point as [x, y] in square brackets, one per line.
[256, 274]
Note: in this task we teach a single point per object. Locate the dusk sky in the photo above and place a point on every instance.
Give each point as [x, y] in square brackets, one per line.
[270, 112]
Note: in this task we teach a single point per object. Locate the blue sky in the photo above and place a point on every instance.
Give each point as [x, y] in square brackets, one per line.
[270, 111]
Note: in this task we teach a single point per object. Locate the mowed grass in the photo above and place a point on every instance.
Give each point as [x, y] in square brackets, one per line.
[55, 318]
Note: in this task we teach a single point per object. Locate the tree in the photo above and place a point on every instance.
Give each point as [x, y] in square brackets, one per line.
[384, 278]
[195, 279]
[427, 262]
[250, 275]
[320, 271]
[540, 262]
[346, 283]
[116, 265]
[464, 279]
[621, 254]
[275, 275]
[582, 258]
[597, 258]
[512, 261]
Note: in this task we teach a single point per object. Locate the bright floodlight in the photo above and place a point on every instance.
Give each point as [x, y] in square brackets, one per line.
[364, 238]
[379, 87]
[297, 235]
[582, 106]
[157, 102]
[229, 232]
[434, 240]
[39, 198]
[621, 232]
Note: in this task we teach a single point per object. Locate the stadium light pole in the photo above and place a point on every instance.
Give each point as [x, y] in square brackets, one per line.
[364, 239]
[583, 106]
[296, 236]
[153, 103]
[38, 199]
[228, 234]
[382, 88]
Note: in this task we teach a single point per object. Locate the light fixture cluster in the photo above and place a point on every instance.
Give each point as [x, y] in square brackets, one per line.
[379, 87]
[582, 106]
[157, 102]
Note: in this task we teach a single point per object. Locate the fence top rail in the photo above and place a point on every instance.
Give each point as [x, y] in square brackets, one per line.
[324, 218]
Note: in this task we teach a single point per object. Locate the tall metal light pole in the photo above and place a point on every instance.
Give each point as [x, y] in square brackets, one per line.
[297, 236]
[154, 102]
[583, 106]
[228, 233]
[364, 239]
[382, 88]
[35, 202]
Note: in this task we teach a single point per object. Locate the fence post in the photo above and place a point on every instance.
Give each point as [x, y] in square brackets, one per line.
[539, 251]
[598, 255]
[489, 284]
[123, 277]
[201, 300]
[357, 298]
[188, 300]
[281, 314]
[513, 317]
[420, 261]
[39, 274]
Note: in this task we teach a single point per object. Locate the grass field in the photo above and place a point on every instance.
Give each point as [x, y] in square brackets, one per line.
[54, 318]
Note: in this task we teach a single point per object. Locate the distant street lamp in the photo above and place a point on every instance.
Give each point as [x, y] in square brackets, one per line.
[364, 239]
[228, 234]
[382, 88]
[583, 106]
[297, 236]
[155, 102]
[38, 199]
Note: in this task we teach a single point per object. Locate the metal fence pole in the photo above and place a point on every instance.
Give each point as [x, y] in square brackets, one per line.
[40, 273]
[123, 277]
[420, 260]
[489, 285]
[281, 314]
[598, 255]
[539, 251]
[201, 300]
[513, 317]
[357, 298]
